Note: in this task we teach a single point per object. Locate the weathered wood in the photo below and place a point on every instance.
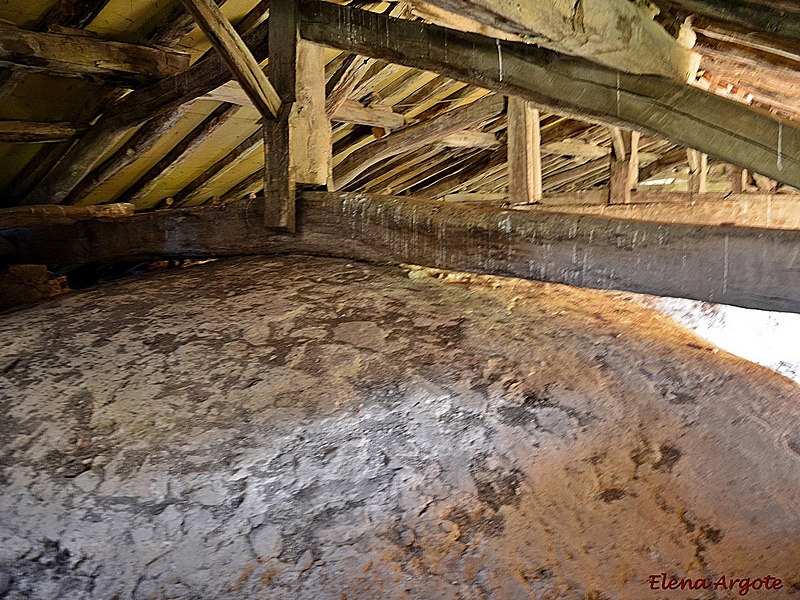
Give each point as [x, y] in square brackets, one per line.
[685, 115]
[27, 132]
[353, 112]
[624, 177]
[755, 268]
[44, 215]
[141, 142]
[77, 14]
[174, 159]
[82, 56]
[737, 180]
[199, 189]
[309, 127]
[134, 109]
[470, 139]
[617, 33]
[279, 187]
[575, 148]
[698, 171]
[524, 152]
[783, 22]
[416, 136]
[236, 55]
[283, 36]
[344, 83]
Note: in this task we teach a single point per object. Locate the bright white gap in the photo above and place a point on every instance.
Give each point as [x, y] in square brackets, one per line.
[771, 339]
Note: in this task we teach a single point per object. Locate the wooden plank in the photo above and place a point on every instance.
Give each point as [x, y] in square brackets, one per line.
[27, 132]
[134, 109]
[754, 268]
[685, 115]
[236, 55]
[82, 56]
[524, 152]
[416, 136]
[40, 216]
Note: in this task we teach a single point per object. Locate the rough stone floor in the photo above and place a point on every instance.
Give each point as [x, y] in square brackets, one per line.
[309, 428]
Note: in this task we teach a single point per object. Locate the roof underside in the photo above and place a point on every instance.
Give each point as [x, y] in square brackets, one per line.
[210, 149]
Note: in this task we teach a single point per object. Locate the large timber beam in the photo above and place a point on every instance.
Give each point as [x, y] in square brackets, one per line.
[86, 56]
[735, 133]
[755, 268]
[134, 109]
[617, 33]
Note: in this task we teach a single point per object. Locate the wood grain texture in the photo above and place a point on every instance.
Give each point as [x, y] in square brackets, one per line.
[84, 56]
[735, 133]
[754, 268]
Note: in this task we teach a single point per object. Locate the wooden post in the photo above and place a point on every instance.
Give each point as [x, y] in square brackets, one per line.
[279, 187]
[311, 157]
[624, 176]
[524, 152]
[698, 171]
[737, 180]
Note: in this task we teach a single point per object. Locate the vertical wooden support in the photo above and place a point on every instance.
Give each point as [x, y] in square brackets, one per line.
[524, 152]
[738, 180]
[309, 126]
[279, 188]
[698, 171]
[624, 177]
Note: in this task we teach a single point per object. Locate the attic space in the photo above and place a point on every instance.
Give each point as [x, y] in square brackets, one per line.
[355, 299]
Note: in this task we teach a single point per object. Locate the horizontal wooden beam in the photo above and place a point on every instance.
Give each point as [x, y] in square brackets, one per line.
[730, 131]
[346, 112]
[27, 132]
[39, 216]
[754, 268]
[134, 109]
[86, 56]
[235, 53]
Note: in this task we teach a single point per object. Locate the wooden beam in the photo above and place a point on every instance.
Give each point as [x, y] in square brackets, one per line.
[134, 109]
[343, 84]
[698, 171]
[575, 148]
[27, 132]
[138, 193]
[524, 152]
[141, 142]
[83, 56]
[782, 21]
[617, 33]
[353, 112]
[470, 139]
[236, 55]
[416, 136]
[309, 127]
[732, 265]
[685, 115]
[41, 216]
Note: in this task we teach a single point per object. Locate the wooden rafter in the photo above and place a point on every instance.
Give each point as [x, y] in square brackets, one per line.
[27, 132]
[236, 55]
[685, 115]
[86, 56]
